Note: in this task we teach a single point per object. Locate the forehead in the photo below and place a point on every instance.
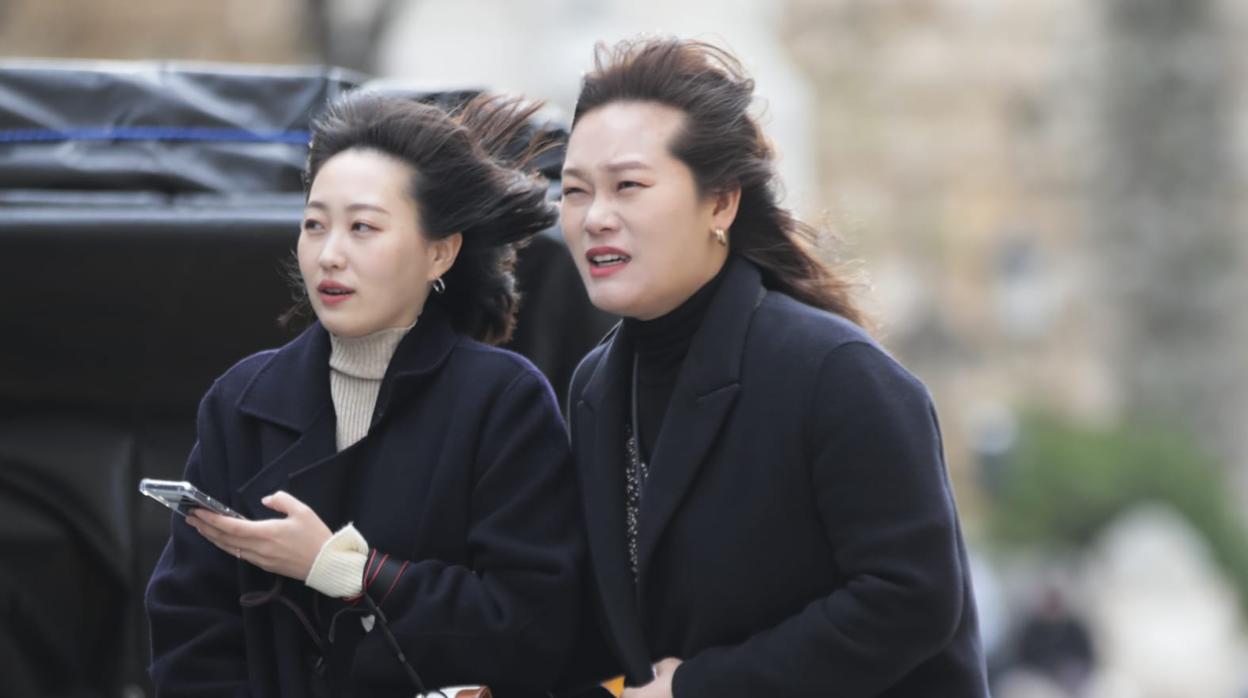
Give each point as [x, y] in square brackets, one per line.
[357, 172]
[623, 130]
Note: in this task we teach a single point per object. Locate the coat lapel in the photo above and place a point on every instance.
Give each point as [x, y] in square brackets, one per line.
[705, 391]
[599, 416]
[292, 392]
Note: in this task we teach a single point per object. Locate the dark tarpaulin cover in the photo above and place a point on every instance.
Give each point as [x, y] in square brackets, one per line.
[146, 210]
[159, 126]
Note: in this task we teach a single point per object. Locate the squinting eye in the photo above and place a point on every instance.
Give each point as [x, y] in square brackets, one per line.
[628, 184]
[361, 227]
[311, 224]
[569, 191]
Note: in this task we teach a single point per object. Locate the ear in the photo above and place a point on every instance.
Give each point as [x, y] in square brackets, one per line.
[443, 252]
[725, 207]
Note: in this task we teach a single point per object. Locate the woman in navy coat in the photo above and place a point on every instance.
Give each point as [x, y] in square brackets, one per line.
[441, 460]
[767, 504]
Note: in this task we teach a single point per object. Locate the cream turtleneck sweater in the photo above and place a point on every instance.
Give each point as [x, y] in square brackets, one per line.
[356, 367]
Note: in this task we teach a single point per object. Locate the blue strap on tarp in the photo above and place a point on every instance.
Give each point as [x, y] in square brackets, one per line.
[153, 133]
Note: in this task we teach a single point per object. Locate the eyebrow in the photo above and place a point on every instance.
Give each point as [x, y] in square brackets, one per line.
[350, 207]
[611, 167]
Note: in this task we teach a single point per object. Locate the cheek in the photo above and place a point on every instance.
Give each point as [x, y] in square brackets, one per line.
[569, 225]
[305, 254]
[406, 265]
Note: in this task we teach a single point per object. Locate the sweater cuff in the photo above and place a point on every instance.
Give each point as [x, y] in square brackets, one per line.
[338, 569]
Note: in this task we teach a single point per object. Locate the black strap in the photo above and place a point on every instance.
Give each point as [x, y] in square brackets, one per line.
[253, 599]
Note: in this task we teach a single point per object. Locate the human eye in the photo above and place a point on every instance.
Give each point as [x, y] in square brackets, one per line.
[312, 225]
[628, 184]
[362, 227]
[572, 189]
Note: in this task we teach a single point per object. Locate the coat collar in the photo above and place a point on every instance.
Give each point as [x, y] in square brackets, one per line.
[292, 391]
[705, 391]
[292, 388]
[718, 344]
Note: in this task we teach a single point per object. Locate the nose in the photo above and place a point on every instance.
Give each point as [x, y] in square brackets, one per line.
[331, 256]
[600, 217]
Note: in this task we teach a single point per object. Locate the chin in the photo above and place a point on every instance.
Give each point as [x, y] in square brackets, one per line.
[342, 327]
[614, 301]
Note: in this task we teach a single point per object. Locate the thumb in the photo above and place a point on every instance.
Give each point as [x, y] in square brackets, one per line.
[666, 666]
[282, 502]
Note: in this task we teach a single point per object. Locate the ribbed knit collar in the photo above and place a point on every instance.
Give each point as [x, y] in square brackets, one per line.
[367, 356]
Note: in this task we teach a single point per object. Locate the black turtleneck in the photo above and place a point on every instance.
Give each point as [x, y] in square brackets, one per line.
[661, 345]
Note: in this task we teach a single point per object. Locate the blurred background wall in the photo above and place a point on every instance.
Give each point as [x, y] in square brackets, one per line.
[1046, 200]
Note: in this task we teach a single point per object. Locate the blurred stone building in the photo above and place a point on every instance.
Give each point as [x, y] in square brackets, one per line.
[259, 31]
[1049, 198]
[1046, 196]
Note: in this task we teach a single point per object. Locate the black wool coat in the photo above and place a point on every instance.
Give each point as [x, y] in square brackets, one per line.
[465, 474]
[798, 532]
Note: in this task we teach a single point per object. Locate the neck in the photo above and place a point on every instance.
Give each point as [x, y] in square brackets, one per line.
[665, 339]
[366, 356]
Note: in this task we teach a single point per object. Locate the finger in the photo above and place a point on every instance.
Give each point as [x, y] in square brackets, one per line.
[248, 538]
[234, 549]
[666, 666]
[284, 502]
[211, 518]
[240, 529]
[219, 541]
[217, 538]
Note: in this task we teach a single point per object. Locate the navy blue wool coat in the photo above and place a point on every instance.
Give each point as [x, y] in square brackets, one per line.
[798, 532]
[465, 475]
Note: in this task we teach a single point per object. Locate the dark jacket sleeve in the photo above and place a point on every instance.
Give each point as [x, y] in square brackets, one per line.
[192, 597]
[509, 619]
[878, 474]
[592, 660]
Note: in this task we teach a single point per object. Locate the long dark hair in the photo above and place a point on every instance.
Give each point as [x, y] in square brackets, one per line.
[725, 148]
[468, 177]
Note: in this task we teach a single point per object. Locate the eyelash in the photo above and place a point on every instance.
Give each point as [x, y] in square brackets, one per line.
[356, 227]
[626, 184]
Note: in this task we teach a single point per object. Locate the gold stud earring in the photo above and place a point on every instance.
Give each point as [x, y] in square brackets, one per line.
[721, 237]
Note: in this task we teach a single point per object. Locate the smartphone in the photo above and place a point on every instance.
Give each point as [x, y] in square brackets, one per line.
[183, 497]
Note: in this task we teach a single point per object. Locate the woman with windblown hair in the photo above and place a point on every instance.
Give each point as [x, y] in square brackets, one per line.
[440, 460]
[766, 499]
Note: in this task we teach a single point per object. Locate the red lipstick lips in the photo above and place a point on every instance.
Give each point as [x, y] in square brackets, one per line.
[332, 293]
[605, 261]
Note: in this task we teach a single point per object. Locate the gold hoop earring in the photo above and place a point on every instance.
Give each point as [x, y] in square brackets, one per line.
[439, 286]
[721, 237]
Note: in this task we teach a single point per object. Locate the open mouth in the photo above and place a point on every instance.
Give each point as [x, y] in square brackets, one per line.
[613, 259]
